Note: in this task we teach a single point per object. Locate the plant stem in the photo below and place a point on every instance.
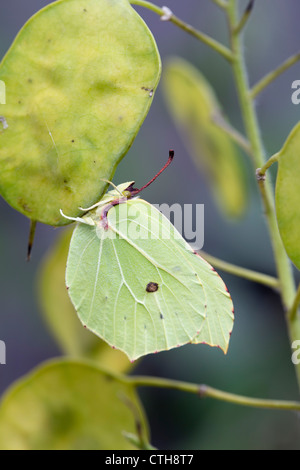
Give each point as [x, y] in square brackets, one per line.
[293, 311]
[283, 265]
[215, 45]
[252, 129]
[205, 391]
[221, 3]
[241, 272]
[233, 133]
[262, 171]
[245, 17]
[264, 82]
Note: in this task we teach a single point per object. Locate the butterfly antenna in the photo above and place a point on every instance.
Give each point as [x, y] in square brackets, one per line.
[170, 159]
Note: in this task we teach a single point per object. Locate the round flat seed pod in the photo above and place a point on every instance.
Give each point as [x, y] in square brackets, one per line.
[80, 78]
[288, 195]
[70, 405]
[193, 106]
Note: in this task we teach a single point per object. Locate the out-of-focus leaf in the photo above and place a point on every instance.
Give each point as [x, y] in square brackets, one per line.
[80, 78]
[193, 106]
[61, 316]
[68, 405]
[288, 195]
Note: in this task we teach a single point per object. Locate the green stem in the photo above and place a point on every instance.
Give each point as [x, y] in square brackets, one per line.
[241, 272]
[215, 45]
[262, 171]
[252, 129]
[233, 133]
[264, 82]
[283, 265]
[221, 3]
[205, 391]
[133, 439]
[245, 17]
[294, 310]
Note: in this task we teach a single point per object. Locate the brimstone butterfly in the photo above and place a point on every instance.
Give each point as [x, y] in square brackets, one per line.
[136, 283]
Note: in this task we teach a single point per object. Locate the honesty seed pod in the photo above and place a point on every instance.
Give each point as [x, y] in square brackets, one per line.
[77, 80]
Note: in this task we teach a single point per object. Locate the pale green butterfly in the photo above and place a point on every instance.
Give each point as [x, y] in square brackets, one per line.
[136, 283]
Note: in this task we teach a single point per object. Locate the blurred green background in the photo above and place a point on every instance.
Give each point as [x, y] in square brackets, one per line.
[259, 360]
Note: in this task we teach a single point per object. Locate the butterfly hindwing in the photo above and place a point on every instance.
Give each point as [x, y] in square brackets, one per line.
[139, 286]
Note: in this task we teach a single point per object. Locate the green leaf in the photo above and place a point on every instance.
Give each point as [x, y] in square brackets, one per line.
[288, 195]
[68, 405]
[138, 285]
[193, 105]
[80, 78]
[61, 316]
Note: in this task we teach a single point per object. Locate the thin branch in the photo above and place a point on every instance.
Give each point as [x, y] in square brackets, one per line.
[205, 391]
[245, 17]
[242, 272]
[264, 82]
[293, 311]
[233, 133]
[286, 280]
[138, 439]
[221, 3]
[167, 15]
[261, 172]
[133, 439]
[209, 392]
